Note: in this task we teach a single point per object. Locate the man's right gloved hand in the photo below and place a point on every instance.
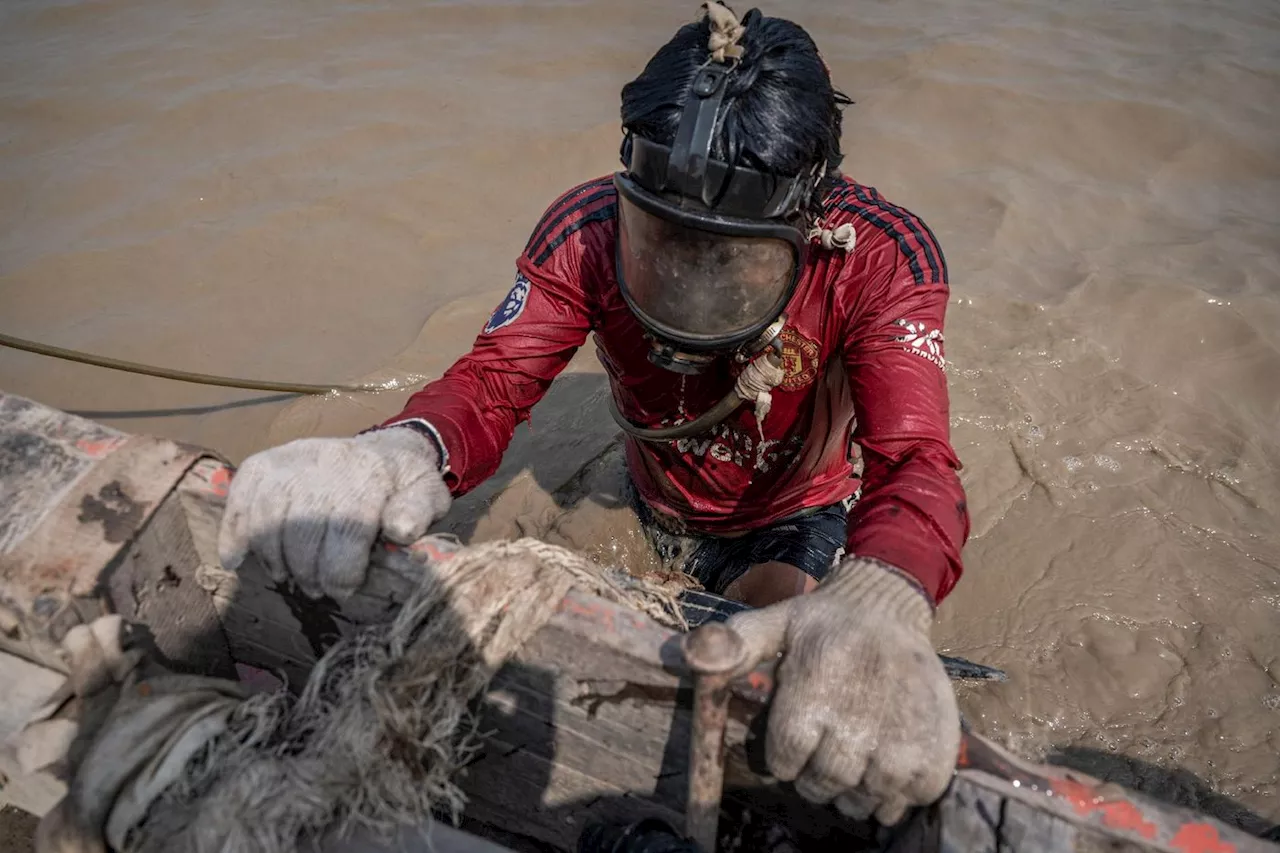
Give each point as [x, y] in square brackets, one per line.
[863, 713]
[312, 509]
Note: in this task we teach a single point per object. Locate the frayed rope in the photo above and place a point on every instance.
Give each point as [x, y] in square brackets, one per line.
[385, 719]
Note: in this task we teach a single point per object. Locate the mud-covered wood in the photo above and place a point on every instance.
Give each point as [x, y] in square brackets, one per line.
[1014, 806]
[590, 720]
[87, 528]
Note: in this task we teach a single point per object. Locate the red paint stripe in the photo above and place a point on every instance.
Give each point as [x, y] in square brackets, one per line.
[1200, 838]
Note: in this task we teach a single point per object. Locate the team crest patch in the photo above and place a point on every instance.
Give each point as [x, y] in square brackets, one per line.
[799, 360]
[512, 307]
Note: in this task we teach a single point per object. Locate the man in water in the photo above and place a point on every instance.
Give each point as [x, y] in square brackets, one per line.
[755, 311]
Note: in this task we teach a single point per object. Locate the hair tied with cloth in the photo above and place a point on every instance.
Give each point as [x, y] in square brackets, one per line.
[726, 31]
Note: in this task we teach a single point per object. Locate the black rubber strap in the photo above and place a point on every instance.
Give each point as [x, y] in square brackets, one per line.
[691, 151]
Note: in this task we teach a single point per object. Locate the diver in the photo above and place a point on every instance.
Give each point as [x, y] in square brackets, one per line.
[758, 314]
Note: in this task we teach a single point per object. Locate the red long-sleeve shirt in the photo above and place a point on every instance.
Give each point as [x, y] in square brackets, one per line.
[863, 356]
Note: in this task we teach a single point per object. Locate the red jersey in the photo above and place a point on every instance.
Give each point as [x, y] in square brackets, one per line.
[863, 355]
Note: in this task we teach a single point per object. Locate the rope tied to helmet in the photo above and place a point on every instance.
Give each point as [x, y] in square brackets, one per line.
[726, 31]
[842, 238]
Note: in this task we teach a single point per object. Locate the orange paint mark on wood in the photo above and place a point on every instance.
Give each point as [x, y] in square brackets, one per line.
[220, 481]
[1083, 798]
[97, 448]
[1117, 814]
[428, 549]
[1200, 838]
[1122, 814]
[599, 612]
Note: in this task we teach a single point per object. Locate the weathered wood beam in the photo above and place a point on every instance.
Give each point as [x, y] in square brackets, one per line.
[589, 721]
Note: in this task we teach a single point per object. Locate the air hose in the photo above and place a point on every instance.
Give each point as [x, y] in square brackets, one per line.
[186, 376]
[698, 425]
[754, 384]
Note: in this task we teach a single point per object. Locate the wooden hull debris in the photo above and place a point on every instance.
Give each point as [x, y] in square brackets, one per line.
[589, 723]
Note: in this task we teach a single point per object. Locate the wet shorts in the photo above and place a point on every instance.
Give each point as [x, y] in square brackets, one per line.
[812, 542]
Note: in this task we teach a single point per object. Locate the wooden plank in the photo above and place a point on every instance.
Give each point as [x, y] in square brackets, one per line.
[248, 651]
[437, 837]
[621, 742]
[624, 644]
[969, 820]
[575, 715]
[1027, 830]
[545, 800]
[73, 497]
[589, 721]
[154, 583]
[1101, 816]
[587, 645]
[249, 625]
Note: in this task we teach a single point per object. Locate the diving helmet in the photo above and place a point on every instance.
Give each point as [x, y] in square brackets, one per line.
[708, 253]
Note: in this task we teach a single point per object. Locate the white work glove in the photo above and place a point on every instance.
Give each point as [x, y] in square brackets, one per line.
[863, 712]
[312, 509]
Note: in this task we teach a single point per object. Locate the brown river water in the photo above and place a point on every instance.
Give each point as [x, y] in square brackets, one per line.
[336, 192]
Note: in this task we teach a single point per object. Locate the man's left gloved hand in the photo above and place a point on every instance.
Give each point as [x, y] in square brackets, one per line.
[863, 712]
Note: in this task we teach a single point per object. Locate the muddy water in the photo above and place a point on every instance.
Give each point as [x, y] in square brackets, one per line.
[334, 192]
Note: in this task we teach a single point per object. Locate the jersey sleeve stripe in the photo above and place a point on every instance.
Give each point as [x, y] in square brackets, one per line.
[902, 219]
[904, 245]
[931, 246]
[566, 206]
[600, 214]
[905, 228]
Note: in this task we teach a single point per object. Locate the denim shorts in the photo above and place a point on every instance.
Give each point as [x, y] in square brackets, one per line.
[812, 541]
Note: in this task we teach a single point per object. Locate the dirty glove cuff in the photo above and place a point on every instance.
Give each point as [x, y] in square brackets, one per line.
[405, 438]
[894, 592]
[426, 430]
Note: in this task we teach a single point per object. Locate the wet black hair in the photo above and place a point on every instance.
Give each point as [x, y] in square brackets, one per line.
[781, 112]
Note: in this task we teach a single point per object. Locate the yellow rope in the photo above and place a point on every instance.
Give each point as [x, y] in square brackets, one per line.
[186, 376]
